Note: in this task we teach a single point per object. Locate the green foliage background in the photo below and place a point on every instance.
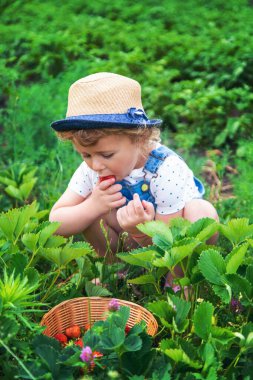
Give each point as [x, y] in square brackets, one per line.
[194, 61]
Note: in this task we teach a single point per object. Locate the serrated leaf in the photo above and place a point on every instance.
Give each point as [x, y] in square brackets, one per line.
[239, 284]
[212, 266]
[132, 343]
[224, 292]
[235, 258]
[178, 355]
[50, 357]
[237, 230]
[47, 232]
[7, 181]
[182, 308]
[14, 192]
[222, 335]
[93, 290]
[141, 280]
[249, 274]
[8, 328]
[26, 188]
[161, 309]
[202, 320]
[55, 241]
[114, 339]
[25, 214]
[202, 229]
[30, 240]
[18, 263]
[182, 250]
[33, 276]
[143, 258]
[157, 227]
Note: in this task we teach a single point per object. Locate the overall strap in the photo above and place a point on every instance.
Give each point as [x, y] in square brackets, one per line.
[156, 158]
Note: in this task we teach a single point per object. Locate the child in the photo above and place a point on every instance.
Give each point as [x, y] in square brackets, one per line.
[127, 177]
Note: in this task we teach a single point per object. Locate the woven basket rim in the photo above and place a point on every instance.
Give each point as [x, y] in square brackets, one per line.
[122, 302]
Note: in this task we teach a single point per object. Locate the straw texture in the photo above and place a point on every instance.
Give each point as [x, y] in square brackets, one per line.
[103, 93]
[87, 310]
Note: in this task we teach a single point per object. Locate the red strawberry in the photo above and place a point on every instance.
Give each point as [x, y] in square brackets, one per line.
[61, 338]
[87, 326]
[79, 342]
[101, 179]
[73, 331]
[127, 329]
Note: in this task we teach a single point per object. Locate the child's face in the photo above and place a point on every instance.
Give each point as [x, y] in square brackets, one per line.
[112, 155]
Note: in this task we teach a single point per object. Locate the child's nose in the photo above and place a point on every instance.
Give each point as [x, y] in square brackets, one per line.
[97, 165]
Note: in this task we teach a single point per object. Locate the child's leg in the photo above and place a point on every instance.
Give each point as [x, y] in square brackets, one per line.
[95, 236]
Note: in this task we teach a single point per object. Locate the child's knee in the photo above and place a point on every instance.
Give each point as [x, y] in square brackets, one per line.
[199, 208]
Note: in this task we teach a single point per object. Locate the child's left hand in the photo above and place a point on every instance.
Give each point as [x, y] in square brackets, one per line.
[135, 212]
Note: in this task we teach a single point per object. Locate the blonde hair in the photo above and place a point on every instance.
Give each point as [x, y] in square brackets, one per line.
[144, 137]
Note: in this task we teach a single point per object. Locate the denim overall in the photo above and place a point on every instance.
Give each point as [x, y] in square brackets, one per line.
[155, 159]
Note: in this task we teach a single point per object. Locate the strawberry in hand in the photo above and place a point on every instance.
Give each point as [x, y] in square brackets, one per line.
[104, 178]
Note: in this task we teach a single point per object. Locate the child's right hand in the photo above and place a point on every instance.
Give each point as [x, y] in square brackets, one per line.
[107, 196]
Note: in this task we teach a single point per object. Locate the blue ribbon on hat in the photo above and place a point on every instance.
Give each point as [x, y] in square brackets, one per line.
[135, 114]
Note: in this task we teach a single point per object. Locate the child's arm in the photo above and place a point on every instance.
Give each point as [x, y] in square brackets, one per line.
[76, 213]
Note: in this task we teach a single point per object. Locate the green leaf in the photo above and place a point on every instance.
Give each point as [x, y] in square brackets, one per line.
[202, 320]
[8, 328]
[182, 308]
[237, 230]
[249, 274]
[178, 355]
[25, 214]
[14, 192]
[26, 188]
[183, 249]
[143, 258]
[202, 229]
[223, 291]
[222, 335]
[114, 339]
[240, 284]
[50, 357]
[208, 356]
[33, 276]
[93, 290]
[141, 280]
[47, 232]
[7, 181]
[235, 258]
[132, 343]
[162, 310]
[212, 266]
[63, 255]
[55, 241]
[30, 240]
[157, 227]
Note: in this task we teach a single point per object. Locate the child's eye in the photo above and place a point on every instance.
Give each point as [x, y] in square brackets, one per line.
[85, 155]
[107, 155]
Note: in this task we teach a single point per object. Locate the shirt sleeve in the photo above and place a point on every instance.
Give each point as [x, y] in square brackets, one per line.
[82, 181]
[173, 186]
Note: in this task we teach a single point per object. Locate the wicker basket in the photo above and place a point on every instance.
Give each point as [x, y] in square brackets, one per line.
[87, 310]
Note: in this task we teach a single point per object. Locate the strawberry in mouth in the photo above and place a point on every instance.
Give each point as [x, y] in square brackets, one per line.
[101, 179]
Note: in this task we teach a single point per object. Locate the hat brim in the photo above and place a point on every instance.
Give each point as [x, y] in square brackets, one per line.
[103, 121]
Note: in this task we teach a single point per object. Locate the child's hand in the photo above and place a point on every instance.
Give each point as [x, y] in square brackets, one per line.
[107, 196]
[135, 212]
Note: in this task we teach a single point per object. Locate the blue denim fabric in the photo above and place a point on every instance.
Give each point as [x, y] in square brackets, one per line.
[155, 159]
[133, 118]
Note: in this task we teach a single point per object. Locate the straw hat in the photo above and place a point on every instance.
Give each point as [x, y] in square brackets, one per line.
[104, 100]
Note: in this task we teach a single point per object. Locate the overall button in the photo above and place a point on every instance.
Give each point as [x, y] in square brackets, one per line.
[144, 187]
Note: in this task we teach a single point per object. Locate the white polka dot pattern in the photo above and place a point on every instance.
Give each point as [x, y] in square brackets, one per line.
[172, 188]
